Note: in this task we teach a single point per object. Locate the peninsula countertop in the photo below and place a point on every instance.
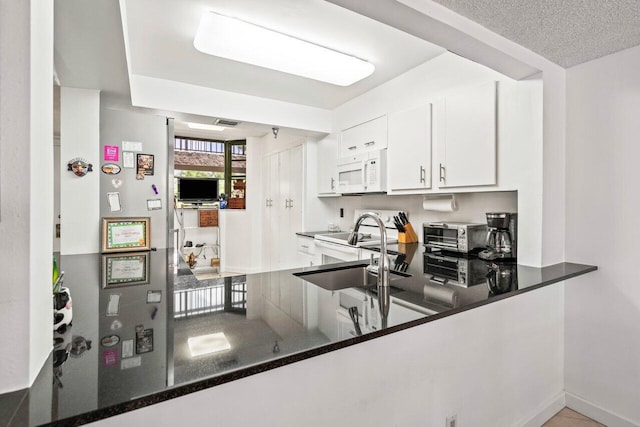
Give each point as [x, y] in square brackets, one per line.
[135, 344]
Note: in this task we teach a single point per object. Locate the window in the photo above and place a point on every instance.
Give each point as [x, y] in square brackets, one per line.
[225, 160]
[236, 176]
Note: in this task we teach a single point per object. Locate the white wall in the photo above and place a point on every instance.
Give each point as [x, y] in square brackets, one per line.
[79, 196]
[417, 377]
[603, 308]
[471, 208]
[40, 192]
[26, 200]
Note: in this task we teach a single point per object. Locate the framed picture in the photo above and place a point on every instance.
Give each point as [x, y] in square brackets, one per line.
[145, 164]
[126, 234]
[125, 269]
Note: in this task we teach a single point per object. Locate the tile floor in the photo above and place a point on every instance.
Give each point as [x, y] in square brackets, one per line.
[570, 418]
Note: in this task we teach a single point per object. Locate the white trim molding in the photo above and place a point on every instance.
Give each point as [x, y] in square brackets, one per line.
[596, 412]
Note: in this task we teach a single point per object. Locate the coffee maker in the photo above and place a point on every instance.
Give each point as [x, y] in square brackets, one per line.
[502, 239]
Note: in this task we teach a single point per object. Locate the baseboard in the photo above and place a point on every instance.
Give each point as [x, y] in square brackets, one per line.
[599, 414]
[545, 411]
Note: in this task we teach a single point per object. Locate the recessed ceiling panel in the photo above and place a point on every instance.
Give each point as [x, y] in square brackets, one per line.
[161, 35]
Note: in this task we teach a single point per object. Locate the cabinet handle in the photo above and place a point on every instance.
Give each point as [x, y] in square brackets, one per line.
[369, 143]
[333, 183]
[353, 147]
[267, 202]
[442, 172]
[286, 203]
[422, 175]
[290, 203]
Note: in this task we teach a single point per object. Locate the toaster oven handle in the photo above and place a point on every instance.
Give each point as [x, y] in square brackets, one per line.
[437, 281]
[437, 224]
[442, 258]
[442, 245]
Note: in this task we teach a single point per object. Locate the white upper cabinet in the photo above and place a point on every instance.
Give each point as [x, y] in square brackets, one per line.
[465, 136]
[409, 153]
[327, 166]
[368, 136]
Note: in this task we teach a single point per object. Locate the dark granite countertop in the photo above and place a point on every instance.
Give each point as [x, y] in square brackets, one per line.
[143, 347]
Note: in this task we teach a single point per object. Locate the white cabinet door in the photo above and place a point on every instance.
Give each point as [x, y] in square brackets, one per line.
[327, 166]
[293, 208]
[283, 186]
[409, 153]
[368, 136]
[271, 228]
[465, 131]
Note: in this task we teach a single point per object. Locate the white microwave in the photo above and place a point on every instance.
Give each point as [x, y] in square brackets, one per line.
[363, 173]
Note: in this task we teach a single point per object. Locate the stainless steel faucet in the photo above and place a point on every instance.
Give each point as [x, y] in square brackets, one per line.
[383, 264]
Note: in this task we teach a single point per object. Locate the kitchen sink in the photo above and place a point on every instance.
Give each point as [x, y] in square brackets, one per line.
[335, 278]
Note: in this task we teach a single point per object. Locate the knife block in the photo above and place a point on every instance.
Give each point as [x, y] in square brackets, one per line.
[409, 236]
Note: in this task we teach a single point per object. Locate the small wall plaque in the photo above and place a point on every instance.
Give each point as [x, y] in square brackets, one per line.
[79, 166]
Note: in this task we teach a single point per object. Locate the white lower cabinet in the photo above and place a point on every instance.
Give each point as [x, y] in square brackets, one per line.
[465, 135]
[307, 255]
[409, 153]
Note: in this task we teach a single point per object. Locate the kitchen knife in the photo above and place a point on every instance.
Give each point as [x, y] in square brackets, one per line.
[404, 218]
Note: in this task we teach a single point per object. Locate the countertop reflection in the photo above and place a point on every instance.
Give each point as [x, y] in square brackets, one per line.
[140, 336]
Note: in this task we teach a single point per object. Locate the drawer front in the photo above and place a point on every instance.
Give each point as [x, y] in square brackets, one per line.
[306, 245]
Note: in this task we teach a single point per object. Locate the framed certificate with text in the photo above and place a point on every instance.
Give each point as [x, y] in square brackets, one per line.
[125, 269]
[126, 234]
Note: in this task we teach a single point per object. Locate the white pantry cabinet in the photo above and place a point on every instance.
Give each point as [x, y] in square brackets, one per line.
[465, 137]
[283, 181]
[327, 158]
[368, 136]
[409, 152]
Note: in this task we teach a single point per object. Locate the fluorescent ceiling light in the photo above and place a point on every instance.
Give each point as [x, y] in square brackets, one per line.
[205, 127]
[241, 41]
[207, 344]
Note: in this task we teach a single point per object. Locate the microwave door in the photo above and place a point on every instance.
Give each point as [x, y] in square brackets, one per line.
[351, 177]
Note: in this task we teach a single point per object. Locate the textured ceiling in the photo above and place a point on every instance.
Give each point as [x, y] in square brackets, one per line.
[567, 32]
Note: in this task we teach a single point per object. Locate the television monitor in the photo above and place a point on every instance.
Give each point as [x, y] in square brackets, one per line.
[197, 190]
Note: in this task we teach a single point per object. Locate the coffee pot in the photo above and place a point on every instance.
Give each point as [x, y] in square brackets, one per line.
[501, 277]
[501, 236]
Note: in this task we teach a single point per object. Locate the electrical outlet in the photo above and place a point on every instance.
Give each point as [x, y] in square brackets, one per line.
[452, 421]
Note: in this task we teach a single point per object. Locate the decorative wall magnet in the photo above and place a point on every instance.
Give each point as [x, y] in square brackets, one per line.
[145, 164]
[110, 340]
[79, 166]
[144, 341]
[115, 325]
[117, 183]
[114, 201]
[110, 169]
[111, 153]
[110, 357]
[154, 204]
[127, 160]
[127, 348]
